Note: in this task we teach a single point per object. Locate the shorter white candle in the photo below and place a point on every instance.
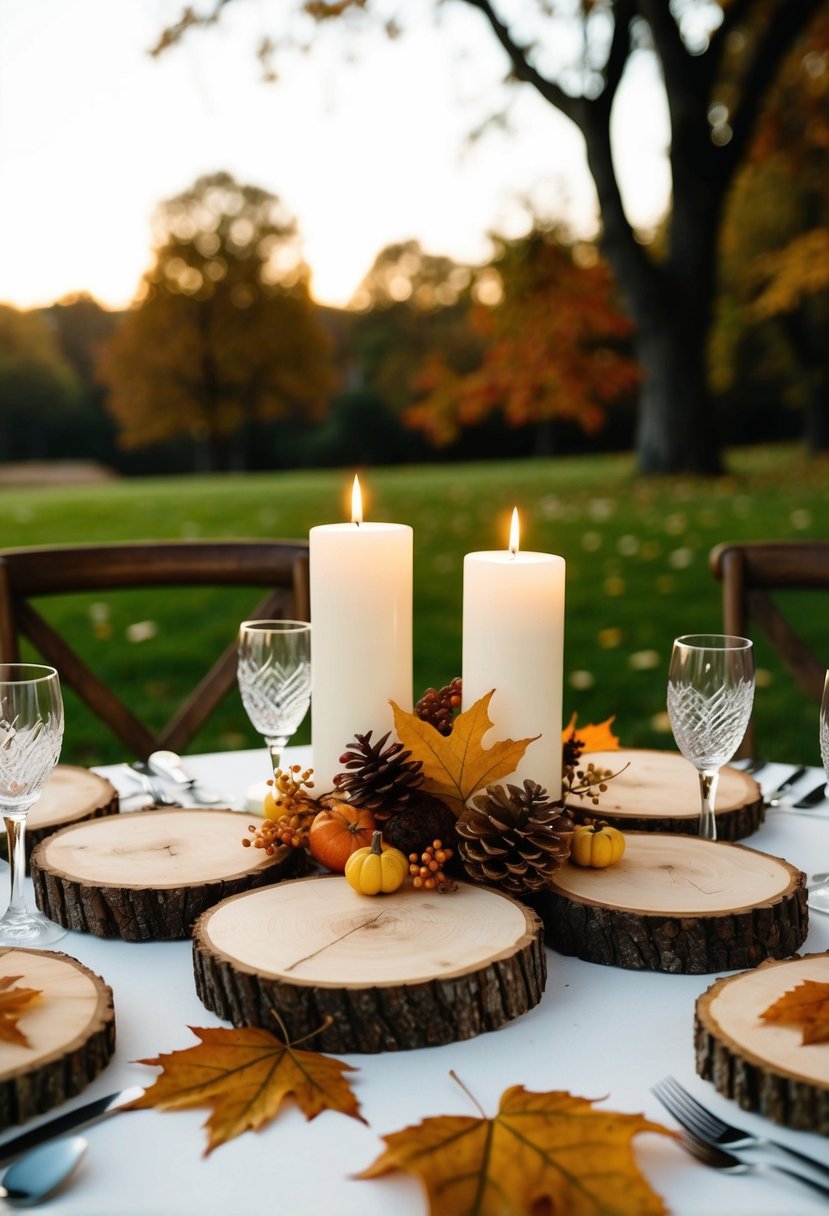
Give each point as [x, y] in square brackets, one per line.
[361, 650]
[513, 641]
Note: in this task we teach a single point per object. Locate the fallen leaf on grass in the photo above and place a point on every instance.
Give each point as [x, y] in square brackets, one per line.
[806, 1005]
[455, 766]
[245, 1075]
[13, 1004]
[543, 1152]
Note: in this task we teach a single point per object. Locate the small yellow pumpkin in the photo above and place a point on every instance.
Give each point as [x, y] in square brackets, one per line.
[596, 845]
[377, 868]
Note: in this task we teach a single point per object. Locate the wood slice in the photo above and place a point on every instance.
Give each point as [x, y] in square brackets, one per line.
[763, 1065]
[659, 792]
[678, 904]
[388, 973]
[70, 1029]
[146, 876]
[72, 795]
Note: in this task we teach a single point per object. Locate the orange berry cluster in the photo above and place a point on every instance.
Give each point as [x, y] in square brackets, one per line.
[298, 812]
[265, 836]
[427, 868]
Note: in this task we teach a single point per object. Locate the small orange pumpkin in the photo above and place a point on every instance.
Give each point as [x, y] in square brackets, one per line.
[338, 832]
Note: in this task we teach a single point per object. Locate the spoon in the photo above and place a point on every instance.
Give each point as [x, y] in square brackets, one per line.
[170, 767]
[39, 1172]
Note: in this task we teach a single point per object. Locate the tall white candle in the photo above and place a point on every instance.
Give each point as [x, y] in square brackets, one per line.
[513, 641]
[361, 647]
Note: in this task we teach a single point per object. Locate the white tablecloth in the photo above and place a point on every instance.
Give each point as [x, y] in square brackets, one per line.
[599, 1032]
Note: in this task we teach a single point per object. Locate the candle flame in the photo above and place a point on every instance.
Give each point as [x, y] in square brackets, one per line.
[356, 502]
[513, 532]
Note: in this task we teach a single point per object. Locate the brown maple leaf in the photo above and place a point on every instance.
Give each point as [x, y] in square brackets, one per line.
[456, 766]
[805, 1005]
[596, 737]
[542, 1152]
[245, 1074]
[13, 1003]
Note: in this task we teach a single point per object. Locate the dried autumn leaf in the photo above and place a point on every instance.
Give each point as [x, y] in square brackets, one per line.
[245, 1074]
[456, 766]
[13, 1003]
[595, 738]
[806, 1005]
[544, 1151]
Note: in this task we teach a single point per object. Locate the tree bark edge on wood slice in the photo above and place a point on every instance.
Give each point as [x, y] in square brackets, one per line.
[695, 940]
[38, 1084]
[368, 1016]
[152, 908]
[739, 1066]
[659, 792]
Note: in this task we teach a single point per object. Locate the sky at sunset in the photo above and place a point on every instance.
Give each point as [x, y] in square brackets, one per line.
[94, 133]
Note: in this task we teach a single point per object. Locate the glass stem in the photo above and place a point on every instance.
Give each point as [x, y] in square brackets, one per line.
[708, 779]
[16, 841]
[276, 747]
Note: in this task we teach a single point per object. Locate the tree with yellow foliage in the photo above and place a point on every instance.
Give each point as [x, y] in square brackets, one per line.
[223, 332]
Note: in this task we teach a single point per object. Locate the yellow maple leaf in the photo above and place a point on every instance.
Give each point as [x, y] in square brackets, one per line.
[595, 738]
[542, 1152]
[455, 766]
[806, 1005]
[13, 1003]
[245, 1075]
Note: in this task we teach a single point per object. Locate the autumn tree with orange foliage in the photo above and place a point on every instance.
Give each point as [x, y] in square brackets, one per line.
[553, 341]
[224, 332]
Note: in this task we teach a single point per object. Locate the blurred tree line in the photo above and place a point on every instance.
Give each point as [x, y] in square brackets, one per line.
[225, 362]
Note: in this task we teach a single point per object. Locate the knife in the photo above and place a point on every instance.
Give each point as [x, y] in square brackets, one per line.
[818, 794]
[81, 1116]
[791, 780]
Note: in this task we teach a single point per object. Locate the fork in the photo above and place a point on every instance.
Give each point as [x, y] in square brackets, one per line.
[719, 1159]
[155, 789]
[702, 1123]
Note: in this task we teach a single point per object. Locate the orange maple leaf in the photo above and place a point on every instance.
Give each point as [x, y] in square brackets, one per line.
[595, 738]
[805, 1005]
[455, 766]
[545, 1151]
[13, 1003]
[245, 1074]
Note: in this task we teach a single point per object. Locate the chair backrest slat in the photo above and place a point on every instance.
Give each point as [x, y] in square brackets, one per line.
[749, 572]
[27, 574]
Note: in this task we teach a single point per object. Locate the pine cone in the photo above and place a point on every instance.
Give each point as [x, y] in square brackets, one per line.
[438, 708]
[380, 778]
[423, 819]
[513, 838]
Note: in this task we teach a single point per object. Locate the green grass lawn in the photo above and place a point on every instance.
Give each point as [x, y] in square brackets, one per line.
[637, 574]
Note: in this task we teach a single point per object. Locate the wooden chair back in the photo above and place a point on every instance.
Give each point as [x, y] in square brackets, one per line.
[749, 573]
[28, 574]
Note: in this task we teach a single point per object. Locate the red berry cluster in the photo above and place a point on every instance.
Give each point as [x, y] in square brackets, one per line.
[439, 707]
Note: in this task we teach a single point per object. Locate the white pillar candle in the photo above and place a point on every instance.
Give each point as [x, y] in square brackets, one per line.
[361, 641]
[513, 641]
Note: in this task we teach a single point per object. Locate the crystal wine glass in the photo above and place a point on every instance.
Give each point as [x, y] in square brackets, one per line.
[819, 893]
[31, 732]
[274, 675]
[710, 696]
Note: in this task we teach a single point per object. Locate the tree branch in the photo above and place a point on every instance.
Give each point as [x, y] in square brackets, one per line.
[733, 16]
[679, 68]
[623, 13]
[571, 107]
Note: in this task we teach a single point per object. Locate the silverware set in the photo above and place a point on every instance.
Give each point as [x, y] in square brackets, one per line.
[723, 1146]
[165, 780]
[781, 795]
